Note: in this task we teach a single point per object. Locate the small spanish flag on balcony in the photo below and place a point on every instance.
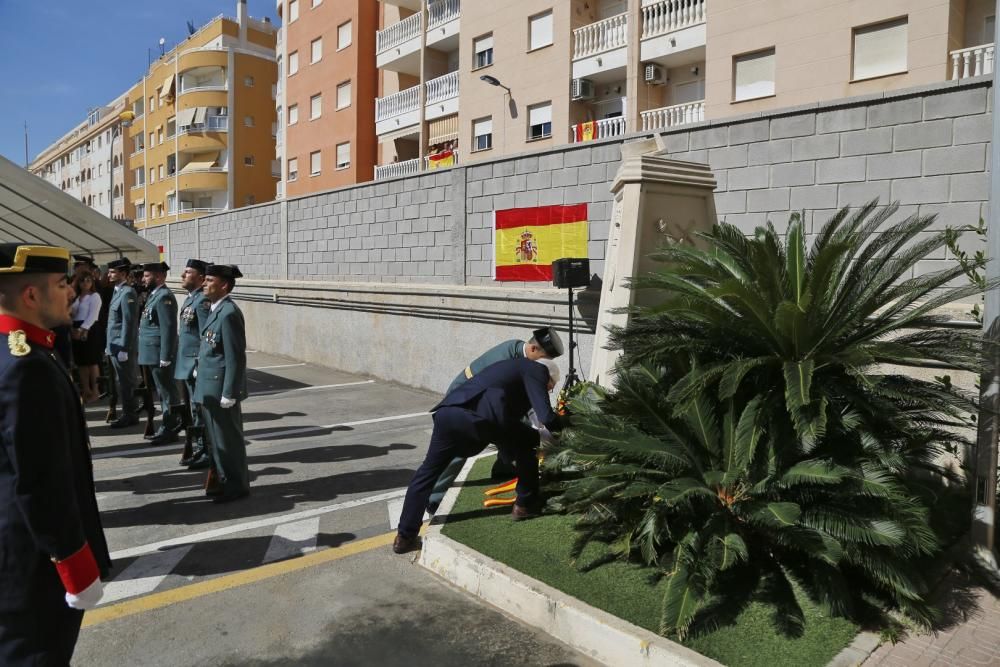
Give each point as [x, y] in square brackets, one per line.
[586, 131]
[527, 240]
[441, 160]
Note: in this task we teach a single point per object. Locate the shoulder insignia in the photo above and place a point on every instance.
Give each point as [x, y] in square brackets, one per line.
[17, 341]
[131, 300]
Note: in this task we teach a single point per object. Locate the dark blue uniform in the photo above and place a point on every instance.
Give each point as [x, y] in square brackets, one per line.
[488, 408]
[49, 510]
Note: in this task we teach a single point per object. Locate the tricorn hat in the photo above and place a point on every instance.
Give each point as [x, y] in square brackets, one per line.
[230, 271]
[123, 264]
[23, 258]
[197, 265]
[156, 267]
[549, 341]
[83, 259]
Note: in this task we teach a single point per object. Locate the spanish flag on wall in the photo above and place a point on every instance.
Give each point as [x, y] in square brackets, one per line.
[441, 160]
[586, 131]
[527, 240]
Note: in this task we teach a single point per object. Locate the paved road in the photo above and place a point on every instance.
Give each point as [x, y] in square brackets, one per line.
[300, 572]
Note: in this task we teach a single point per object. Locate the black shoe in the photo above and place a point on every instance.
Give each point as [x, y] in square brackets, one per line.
[402, 545]
[124, 422]
[228, 498]
[165, 439]
[522, 513]
[200, 463]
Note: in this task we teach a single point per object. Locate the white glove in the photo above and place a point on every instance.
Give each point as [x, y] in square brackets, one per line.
[122, 356]
[88, 597]
[194, 373]
[227, 402]
[164, 364]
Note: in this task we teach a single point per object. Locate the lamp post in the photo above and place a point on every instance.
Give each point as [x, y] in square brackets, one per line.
[493, 81]
[126, 117]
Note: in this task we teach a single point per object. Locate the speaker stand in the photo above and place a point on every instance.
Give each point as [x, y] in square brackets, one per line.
[571, 378]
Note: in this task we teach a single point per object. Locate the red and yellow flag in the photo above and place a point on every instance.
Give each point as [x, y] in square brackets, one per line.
[441, 160]
[528, 240]
[586, 131]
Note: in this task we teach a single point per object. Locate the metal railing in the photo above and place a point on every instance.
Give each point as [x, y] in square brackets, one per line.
[442, 11]
[973, 61]
[204, 170]
[200, 88]
[611, 33]
[211, 124]
[397, 104]
[672, 116]
[404, 168]
[398, 33]
[442, 88]
[603, 129]
[667, 15]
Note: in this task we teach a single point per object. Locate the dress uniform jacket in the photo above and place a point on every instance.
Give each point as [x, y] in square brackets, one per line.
[46, 492]
[511, 349]
[122, 320]
[194, 314]
[158, 328]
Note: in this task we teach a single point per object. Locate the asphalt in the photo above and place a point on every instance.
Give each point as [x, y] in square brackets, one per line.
[301, 571]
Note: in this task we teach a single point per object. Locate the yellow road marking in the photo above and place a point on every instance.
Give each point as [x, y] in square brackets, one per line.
[223, 583]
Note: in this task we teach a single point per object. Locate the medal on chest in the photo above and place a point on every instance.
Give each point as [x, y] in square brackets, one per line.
[187, 315]
[211, 337]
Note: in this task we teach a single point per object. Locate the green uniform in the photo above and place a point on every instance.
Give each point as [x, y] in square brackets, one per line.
[194, 314]
[122, 316]
[158, 342]
[222, 372]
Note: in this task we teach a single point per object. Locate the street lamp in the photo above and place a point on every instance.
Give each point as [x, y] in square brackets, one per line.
[493, 81]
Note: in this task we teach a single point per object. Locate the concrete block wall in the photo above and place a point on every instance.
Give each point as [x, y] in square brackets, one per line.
[249, 237]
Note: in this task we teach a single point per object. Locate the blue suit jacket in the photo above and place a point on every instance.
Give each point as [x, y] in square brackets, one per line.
[503, 393]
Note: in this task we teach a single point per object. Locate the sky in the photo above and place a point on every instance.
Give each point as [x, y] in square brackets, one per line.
[60, 58]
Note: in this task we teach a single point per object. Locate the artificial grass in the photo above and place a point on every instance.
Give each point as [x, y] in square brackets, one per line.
[540, 549]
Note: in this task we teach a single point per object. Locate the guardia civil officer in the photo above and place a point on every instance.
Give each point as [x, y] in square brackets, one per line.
[543, 344]
[122, 338]
[488, 408]
[52, 547]
[194, 314]
[222, 382]
[158, 348]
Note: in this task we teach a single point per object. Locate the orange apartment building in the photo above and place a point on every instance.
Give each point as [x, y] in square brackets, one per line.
[201, 124]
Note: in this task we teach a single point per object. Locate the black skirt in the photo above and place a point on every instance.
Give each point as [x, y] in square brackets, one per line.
[89, 352]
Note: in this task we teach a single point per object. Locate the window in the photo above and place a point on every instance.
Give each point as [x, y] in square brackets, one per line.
[293, 62]
[482, 134]
[315, 107]
[152, 175]
[293, 114]
[152, 139]
[293, 10]
[753, 75]
[293, 169]
[248, 121]
[343, 155]
[540, 30]
[315, 163]
[159, 135]
[248, 81]
[483, 49]
[316, 50]
[989, 29]
[140, 176]
[160, 169]
[316, 3]
[152, 104]
[343, 35]
[140, 211]
[879, 49]
[344, 95]
[540, 121]
[248, 161]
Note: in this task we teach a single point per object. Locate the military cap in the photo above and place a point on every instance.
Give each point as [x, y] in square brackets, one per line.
[123, 264]
[549, 341]
[156, 267]
[83, 259]
[197, 265]
[24, 258]
[230, 271]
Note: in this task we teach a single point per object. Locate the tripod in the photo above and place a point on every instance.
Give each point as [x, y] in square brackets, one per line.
[571, 378]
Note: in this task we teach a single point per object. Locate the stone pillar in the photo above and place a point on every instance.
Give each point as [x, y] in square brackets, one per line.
[657, 201]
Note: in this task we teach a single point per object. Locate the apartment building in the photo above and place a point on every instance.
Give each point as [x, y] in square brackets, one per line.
[477, 80]
[202, 125]
[326, 96]
[88, 161]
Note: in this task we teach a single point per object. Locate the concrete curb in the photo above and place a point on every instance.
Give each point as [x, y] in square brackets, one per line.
[587, 629]
[857, 652]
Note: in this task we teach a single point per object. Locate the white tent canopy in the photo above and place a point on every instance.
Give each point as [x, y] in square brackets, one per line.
[34, 211]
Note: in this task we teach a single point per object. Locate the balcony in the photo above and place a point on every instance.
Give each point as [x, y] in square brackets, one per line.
[673, 116]
[671, 27]
[600, 47]
[211, 124]
[973, 61]
[597, 130]
[397, 169]
[443, 24]
[446, 163]
[442, 96]
[397, 111]
[397, 48]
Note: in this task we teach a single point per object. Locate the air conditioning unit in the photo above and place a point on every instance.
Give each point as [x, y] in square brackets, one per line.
[581, 89]
[654, 74]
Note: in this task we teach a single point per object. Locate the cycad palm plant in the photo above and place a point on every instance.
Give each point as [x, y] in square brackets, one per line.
[753, 439]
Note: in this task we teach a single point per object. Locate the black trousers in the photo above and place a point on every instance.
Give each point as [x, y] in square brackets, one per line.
[461, 433]
[43, 634]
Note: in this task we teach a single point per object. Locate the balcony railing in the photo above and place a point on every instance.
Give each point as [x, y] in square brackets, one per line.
[397, 104]
[973, 61]
[442, 11]
[442, 88]
[396, 169]
[211, 124]
[668, 15]
[672, 116]
[202, 87]
[601, 129]
[611, 33]
[397, 33]
[442, 165]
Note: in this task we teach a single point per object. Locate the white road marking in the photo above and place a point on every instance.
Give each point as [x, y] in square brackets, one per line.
[142, 450]
[267, 368]
[144, 575]
[305, 430]
[320, 386]
[251, 525]
[293, 539]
